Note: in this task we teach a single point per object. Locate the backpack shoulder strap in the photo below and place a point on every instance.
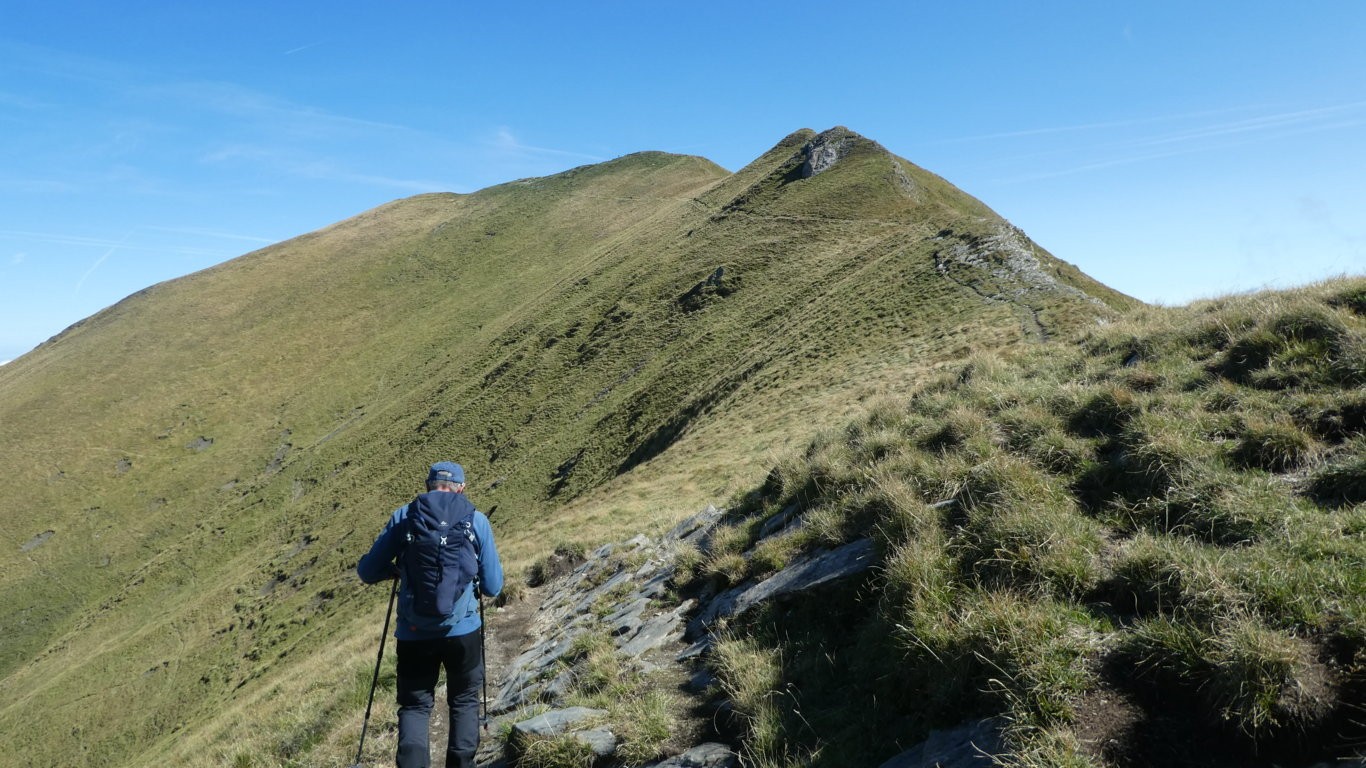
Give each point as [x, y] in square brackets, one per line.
[472, 536]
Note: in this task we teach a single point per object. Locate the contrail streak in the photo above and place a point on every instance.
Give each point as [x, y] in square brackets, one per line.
[100, 261]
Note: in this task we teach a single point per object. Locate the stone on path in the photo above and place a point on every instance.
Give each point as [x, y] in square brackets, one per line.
[970, 745]
[709, 755]
[556, 721]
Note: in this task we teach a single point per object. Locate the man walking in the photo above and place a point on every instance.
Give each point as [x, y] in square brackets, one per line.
[441, 548]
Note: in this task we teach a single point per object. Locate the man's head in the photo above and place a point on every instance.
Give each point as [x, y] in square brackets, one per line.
[446, 476]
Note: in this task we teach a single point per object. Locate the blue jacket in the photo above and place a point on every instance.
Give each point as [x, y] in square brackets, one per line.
[380, 564]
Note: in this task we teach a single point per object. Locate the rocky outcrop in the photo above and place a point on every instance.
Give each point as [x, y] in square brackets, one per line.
[626, 591]
[619, 588]
[1008, 261]
[805, 574]
[827, 149]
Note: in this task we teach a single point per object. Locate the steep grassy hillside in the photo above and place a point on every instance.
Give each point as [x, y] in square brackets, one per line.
[1144, 548]
[193, 472]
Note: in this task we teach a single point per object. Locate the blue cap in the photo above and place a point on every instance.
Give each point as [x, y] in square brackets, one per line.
[448, 471]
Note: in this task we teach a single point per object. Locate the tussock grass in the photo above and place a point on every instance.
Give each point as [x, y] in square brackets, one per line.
[563, 751]
[688, 560]
[1104, 411]
[750, 675]
[1179, 495]
[1047, 748]
[1350, 295]
[1262, 680]
[1274, 445]
[563, 559]
[1342, 481]
[1254, 679]
[647, 725]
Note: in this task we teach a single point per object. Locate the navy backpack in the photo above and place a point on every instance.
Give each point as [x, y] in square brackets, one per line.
[441, 552]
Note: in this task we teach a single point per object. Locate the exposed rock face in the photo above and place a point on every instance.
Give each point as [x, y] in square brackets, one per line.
[637, 619]
[822, 152]
[36, 541]
[827, 149]
[718, 285]
[1003, 267]
[1009, 258]
[805, 574]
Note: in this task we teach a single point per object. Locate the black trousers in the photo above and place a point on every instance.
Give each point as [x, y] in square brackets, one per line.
[419, 664]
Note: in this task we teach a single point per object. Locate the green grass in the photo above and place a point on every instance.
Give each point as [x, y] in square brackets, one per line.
[1177, 495]
[212, 455]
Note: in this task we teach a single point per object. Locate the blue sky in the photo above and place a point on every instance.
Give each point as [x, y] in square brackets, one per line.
[1172, 150]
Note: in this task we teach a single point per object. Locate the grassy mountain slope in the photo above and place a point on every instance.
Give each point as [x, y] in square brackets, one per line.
[1143, 547]
[195, 470]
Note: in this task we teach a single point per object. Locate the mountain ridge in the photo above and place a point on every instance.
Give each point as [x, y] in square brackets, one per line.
[212, 454]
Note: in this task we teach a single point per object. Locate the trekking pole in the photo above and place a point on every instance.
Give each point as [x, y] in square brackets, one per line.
[375, 682]
[485, 718]
[479, 593]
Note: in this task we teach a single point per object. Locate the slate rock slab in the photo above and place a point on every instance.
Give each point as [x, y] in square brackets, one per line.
[556, 721]
[708, 755]
[656, 631]
[602, 742]
[693, 528]
[970, 745]
[805, 574]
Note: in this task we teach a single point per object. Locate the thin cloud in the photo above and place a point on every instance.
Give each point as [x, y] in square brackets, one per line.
[251, 105]
[1080, 127]
[1264, 123]
[1210, 137]
[505, 141]
[98, 262]
[122, 244]
[1249, 138]
[37, 59]
[293, 51]
[327, 172]
[38, 186]
[20, 101]
[320, 169]
[58, 239]
[214, 96]
[1322, 117]
[212, 233]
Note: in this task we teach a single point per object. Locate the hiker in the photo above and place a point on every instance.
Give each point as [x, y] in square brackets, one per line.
[441, 549]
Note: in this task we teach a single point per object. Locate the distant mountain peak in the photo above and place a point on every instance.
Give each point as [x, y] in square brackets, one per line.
[827, 148]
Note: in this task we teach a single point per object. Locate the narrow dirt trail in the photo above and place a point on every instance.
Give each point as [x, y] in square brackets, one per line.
[508, 630]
